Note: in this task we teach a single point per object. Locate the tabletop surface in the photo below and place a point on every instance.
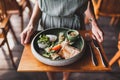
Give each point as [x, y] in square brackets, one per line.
[29, 63]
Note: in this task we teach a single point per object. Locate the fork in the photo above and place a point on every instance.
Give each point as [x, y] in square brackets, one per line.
[97, 46]
[93, 57]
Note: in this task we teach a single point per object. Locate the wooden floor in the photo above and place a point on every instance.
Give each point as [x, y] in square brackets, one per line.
[7, 72]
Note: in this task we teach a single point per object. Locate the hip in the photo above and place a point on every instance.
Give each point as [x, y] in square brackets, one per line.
[73, 22]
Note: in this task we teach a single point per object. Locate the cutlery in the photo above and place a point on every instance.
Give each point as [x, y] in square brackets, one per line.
[97, 46]
[93, 57]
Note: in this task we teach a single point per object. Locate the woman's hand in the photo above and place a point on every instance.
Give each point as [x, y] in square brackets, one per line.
[97, 33]
[28, 31]
[26, 34]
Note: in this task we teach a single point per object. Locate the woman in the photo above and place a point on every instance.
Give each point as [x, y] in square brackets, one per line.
[61, 13]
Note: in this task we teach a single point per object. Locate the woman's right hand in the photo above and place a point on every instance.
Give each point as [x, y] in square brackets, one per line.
[26, 34]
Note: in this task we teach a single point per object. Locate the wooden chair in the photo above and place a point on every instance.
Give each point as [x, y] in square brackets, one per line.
[4, 28]
[14, 7]
[116, 57]
[107, 8]
[25, 3]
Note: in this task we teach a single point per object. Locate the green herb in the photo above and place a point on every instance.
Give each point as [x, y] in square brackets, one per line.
[46, 55]
[43, 39]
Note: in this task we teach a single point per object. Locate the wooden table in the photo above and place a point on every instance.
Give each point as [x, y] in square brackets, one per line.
[29, 63]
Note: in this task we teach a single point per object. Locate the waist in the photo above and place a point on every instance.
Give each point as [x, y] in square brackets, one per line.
[71, 21]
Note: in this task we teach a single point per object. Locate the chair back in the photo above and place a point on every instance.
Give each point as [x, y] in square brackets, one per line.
[10, 6]
[2, 7]
[111, 7]
[107, 7]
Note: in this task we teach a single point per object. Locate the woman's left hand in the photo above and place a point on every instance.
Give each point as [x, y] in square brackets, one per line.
[97, 33]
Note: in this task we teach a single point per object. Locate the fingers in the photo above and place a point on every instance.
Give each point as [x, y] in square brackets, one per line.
[27, 39]
[93, 36]
[98, 36]
[25, 35]
[22, 36]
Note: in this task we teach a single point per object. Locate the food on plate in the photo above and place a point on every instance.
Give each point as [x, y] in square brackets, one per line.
[72, 35]
[61, 37]
[57, 47]
[52, 38]
[44, 40]
[54, 56]
[42, 45]
[68, 51]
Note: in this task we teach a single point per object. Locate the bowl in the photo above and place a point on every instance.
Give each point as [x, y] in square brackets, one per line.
[41, 45]
[37, 52]
[72, 35]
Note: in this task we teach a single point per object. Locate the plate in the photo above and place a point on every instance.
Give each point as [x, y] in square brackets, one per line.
[37, 52]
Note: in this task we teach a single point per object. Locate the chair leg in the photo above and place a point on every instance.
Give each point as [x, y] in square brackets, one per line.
[116, 21]
[112, 20]
[28, 5]
[11, 56]
[21, 16]
[21, 22]
[119, 62]
[115, 58]
[9, 24]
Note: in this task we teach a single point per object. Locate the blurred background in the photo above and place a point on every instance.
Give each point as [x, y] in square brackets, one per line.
[14, 17]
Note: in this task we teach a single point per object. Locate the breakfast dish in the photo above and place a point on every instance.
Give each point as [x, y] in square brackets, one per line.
[58, 46]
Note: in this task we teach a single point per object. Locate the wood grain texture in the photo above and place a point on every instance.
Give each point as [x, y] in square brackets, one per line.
[29, 63]
[4, 22]
[11, 6]
[3, 27]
